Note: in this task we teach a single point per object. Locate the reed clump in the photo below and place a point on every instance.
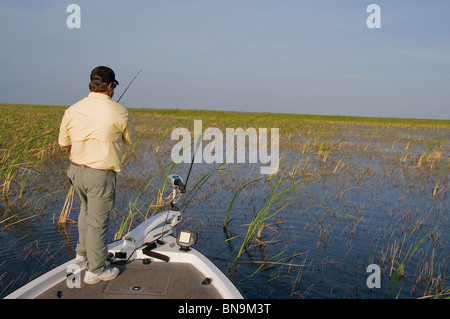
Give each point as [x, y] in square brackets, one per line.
[28, 142]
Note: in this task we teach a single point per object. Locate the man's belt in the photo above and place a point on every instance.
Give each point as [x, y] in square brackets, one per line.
[82, 165]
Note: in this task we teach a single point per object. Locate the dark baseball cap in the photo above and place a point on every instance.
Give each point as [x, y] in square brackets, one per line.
[103, 74]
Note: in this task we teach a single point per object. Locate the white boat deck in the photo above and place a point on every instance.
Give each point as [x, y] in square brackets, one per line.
[157, 280]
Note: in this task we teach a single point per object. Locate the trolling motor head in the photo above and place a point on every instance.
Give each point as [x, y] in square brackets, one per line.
[177, 183]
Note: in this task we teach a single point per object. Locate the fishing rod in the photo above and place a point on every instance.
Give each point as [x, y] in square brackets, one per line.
[192, 162]
[129, 85]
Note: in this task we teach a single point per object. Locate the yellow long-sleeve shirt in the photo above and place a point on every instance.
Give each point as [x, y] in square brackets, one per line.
[98, 130]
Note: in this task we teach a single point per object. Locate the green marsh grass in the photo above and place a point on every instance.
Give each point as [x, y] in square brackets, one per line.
[271, 204]
[27, 144]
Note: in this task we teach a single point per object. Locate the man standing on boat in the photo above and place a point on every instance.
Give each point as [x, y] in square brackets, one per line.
[97, 131]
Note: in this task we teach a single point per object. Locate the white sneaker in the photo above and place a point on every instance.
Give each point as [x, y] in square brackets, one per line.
[108, 274]
[80, 258]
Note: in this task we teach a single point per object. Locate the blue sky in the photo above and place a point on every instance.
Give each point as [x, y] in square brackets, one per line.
[304, 57]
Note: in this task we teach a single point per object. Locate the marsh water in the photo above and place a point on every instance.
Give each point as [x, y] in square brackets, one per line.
[367, 198]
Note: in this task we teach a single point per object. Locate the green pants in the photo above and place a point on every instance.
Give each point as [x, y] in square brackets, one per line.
[96, 189]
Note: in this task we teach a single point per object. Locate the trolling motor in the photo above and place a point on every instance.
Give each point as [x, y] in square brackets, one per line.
[152, 230]
[149, 231]
[161, 224]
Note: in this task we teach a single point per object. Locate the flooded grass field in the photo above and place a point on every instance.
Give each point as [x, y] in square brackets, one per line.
[349, 193]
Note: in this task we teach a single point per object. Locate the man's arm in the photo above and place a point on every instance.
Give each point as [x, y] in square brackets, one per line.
[129, 134]
[64, 137]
